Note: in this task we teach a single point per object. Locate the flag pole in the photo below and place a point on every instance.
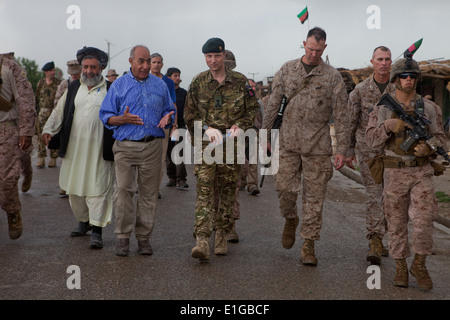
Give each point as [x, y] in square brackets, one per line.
[308, 19]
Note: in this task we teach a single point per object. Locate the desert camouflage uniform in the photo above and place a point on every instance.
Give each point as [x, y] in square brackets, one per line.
[238, 108]
[305, 142]
[17, 122]
[45, 97]
[408, 192]
[363, 98]
[60, 91]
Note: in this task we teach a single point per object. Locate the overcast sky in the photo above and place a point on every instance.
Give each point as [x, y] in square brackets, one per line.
[263, 34]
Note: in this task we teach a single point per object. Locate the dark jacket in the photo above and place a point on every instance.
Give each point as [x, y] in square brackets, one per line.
[61, 140]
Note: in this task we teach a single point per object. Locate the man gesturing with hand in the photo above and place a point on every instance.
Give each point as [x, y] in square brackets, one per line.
[137, 107]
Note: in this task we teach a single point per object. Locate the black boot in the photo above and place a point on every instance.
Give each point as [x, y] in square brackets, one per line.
[81, 230]
[96, 238]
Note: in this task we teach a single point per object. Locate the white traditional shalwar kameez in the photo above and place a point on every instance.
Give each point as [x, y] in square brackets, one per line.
[85, 176]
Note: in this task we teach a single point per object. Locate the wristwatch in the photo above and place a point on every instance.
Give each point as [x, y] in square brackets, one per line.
[205, 127]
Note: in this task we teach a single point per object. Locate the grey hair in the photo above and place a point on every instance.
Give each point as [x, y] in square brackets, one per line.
[156, 55]
[134, 49]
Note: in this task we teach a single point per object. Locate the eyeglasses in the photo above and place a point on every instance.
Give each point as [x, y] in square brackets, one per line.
[406, 75]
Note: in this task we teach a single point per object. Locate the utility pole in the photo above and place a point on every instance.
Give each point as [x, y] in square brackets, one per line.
[109, 51]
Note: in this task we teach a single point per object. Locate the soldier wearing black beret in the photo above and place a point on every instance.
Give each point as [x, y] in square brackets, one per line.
[213, 45]
[45, 97]
[218, 102]
[48, 66]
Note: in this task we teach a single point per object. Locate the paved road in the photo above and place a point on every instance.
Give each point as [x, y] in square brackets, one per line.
[258, 268]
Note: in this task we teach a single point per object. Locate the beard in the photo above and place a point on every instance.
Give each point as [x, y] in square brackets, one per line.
[92, 81]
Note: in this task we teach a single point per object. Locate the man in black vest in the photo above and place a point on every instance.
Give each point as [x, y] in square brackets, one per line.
[85, 174]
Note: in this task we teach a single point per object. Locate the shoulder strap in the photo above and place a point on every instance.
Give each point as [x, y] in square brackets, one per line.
[302, 86]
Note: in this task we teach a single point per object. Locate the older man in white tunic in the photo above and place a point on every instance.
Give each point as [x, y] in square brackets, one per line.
[85, 175]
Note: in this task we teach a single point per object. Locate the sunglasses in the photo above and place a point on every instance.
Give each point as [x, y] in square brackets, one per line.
[406, 75]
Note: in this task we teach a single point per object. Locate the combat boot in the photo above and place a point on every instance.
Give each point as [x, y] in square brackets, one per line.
[307, 256]
[375, 248]
[52, 163]
[288, 237]
[14, 225]
[26, 183]
[220, 242]
[419, 271]
[233, 236]
[40, 163]
[401, 273]
[81, 230]
[201, 250]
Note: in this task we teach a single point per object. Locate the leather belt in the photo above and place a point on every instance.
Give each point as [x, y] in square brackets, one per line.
[145, 139]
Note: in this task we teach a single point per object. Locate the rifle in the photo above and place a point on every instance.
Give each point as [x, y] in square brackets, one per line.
[279, 118]
[418, 125]
[276, 125]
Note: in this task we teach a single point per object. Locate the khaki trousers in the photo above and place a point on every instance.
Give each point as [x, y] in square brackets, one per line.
[316, 172]
[136, 162]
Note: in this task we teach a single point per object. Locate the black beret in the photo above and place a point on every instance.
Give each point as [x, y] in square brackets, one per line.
[48, 66]
[91, 51]
[213, 45]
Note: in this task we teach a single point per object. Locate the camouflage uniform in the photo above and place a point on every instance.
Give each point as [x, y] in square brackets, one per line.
[305, 142]
[364, 97]
[408, 192]
[60, 91]
[238, 107]
[14, 123]
[45, 97]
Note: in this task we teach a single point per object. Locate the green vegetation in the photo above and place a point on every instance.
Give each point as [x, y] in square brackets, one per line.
[442, 196]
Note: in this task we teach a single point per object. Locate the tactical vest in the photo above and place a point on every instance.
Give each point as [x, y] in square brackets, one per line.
[394, 142]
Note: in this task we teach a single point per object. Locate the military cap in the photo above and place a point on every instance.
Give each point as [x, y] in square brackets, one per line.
[94, 52]
[48, 66]
[73, 67]
[213, 45]
[230, 60]
[405, 66]
[112, 72]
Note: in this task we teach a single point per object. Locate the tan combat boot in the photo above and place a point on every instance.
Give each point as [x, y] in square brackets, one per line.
[307, 255]
[220, 242]
[288, 237]
[401, 273]
[375, 248]
[201, 250]
[419, 271]
[233, 236]
[52, 163]
[40, 163]
[26, 183]
[14, 225]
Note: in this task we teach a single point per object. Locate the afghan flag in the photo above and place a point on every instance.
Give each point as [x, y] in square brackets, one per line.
[303, 15]
[413, 48]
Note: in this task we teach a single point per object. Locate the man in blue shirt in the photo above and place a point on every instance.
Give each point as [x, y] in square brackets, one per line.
[138, 107]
